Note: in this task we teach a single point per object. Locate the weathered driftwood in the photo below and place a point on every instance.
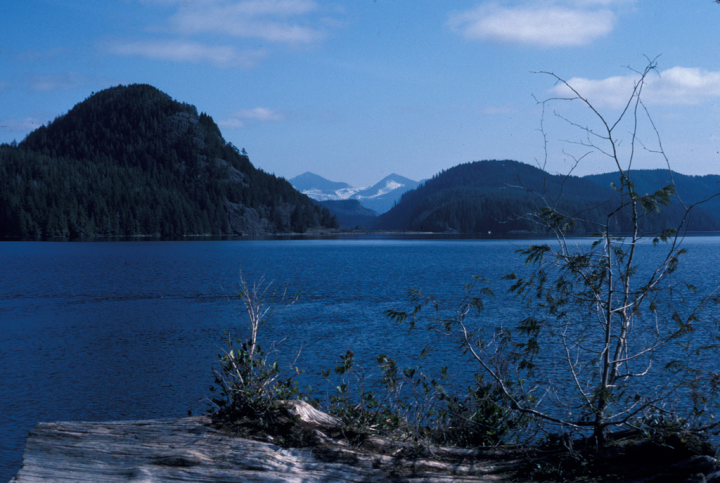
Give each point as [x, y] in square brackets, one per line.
[309, 416]
[189, 449]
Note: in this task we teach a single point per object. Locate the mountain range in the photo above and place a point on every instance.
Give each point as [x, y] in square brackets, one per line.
[379, 197]
[131, 161]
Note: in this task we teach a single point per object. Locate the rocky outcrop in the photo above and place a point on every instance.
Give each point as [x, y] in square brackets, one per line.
[178, 124]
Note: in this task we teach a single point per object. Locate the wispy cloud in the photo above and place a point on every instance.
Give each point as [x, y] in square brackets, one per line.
[37, 55]
[544, 24]
[52, 82]
[259, 114]
[674, 86]
[232, 24]
[269, 20]
[231, 123]
[188, 51]
[238, 119]
[20, 125]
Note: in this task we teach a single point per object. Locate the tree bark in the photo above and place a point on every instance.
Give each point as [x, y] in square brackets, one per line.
[189, 449]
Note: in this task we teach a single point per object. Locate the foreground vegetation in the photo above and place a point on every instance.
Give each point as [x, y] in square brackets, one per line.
[412, 413]
[613, 361]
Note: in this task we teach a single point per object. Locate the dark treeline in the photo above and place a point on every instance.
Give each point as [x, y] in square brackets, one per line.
[131, 161]
[498, 196]
[690, 189]
[350, 213]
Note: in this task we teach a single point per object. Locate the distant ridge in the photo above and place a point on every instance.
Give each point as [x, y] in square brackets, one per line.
[690, 189]
[493, 196]
[321, 189]
[311, 181]
[350, 213]
[383, 195]
[129, 160]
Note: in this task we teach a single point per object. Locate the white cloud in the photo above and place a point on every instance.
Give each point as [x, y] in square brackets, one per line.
[259, 114]
[674, 86]
[545, 25]
[256, 114]
[20, 125]
[231, 123]
[269, 20]
[284, 22]
[187, 51]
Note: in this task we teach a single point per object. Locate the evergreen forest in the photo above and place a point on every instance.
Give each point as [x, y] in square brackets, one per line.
[502, 196]
[131, 161]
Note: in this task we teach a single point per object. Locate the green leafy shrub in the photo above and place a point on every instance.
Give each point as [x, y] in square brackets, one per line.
[411, 404]
[248, 382]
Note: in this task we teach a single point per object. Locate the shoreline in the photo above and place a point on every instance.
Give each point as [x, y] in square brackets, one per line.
[334, 233]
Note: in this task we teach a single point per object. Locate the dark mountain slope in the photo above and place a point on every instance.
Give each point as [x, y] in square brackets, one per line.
[690, 189]
[350, 213]
[496, 195]
[129, 160]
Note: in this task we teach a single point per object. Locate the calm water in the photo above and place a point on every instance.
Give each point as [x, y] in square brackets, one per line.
[129, 330]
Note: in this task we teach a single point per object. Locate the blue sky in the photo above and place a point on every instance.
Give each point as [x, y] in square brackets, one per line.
[356, 90]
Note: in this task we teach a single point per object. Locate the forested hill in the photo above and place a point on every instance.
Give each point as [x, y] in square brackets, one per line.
[493, 196]
[350, 213]
[690, 189]
[130, 160]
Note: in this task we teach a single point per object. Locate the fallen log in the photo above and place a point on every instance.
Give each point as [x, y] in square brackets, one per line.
[190, 450]
[197, 449]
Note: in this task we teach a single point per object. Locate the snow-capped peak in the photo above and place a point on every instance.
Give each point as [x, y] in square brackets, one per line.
[379, 197]
[390, 185]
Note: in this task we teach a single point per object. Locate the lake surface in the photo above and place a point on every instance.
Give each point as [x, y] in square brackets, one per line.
[130, 330]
